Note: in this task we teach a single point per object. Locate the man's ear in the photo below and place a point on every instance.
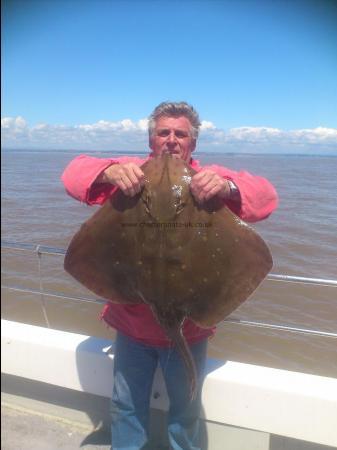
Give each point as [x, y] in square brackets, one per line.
[194, 144]
[150, 142]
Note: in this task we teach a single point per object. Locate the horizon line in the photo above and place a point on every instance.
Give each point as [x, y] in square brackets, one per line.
[196, 152]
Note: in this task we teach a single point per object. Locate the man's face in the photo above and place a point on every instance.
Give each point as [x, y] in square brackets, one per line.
[173, 135]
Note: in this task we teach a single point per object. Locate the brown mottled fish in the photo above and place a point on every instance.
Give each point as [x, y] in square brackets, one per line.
[162, 248]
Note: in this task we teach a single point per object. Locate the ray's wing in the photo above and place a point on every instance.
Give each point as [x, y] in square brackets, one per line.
[237, 261]
[101, 255]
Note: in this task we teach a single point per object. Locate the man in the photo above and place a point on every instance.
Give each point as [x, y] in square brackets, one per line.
[141, 343]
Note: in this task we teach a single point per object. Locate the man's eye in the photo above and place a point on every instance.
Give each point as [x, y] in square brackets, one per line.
[178, 133]
[181, 134]
[163, 133]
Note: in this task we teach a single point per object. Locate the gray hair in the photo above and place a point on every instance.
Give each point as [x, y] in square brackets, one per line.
[175, 109]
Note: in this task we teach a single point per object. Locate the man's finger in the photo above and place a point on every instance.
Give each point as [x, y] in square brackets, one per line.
[133, 179]
[137, 178]
[199, 179]
[200, 175]
[123, 186]
[131, 182]
[212, 192]
[138, 172]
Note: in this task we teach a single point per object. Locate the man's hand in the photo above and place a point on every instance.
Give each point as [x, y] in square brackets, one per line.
[128, 177]
[207, 183]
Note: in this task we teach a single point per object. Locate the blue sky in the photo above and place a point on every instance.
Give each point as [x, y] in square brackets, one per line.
[86, 74]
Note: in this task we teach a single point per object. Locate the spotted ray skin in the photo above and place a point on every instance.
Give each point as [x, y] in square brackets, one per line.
[162, 248]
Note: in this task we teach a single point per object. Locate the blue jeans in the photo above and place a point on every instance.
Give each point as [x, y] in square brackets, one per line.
[134, 368]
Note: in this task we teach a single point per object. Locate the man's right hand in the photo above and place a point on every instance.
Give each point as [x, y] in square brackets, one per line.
[128, 177]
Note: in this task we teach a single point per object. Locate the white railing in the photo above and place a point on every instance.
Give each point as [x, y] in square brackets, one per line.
[40, 250]
[244, 396]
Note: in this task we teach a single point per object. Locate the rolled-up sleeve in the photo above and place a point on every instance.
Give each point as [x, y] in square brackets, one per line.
[80, 175]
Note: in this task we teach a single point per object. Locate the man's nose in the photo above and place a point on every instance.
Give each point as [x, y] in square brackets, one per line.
[172, 138]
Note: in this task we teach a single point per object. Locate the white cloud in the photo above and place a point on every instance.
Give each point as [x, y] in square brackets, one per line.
[254, 134]
[315, 135]
[131, 135]
[205, 125]
[13, 123]
[273, 140]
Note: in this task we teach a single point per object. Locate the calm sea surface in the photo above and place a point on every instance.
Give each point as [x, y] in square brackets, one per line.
[302, 235]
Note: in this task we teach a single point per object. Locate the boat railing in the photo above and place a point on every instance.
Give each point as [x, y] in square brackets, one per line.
[41, 250]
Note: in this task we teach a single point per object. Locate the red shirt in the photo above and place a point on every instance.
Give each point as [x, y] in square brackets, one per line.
[258, 200]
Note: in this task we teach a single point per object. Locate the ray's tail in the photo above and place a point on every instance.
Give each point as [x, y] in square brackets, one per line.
[181, 345]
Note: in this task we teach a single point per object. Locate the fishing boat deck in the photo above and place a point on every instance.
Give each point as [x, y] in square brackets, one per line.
[22, 430]
[43, 417]
[28, 424]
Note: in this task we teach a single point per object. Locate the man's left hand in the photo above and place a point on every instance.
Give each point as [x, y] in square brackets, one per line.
[207, 183]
